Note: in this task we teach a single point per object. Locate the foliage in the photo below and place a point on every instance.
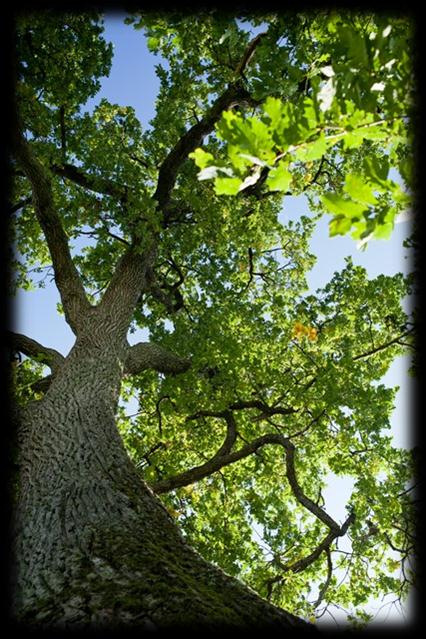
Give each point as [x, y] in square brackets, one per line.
[357, 95]
[330, 98]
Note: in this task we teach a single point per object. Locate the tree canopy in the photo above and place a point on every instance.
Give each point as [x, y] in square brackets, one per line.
[275, 388]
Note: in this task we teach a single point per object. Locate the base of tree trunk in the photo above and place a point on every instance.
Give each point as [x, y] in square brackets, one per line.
[156, 581]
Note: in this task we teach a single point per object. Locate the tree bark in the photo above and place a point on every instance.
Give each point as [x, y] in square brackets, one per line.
[93, 545]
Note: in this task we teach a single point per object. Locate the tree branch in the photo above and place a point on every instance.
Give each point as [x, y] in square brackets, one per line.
[42, 385]
[232, 96]
[231, 435]
[382, 346]
[248, 53]
[224, 457]
[92, 182]
[146, 355]
[130, 279]
[268, 411]
[67, 278]
[33, 349]
[327, 582]
[303, 563]
[172, 299]
[19, 205]
[63, 132]
[298, 492]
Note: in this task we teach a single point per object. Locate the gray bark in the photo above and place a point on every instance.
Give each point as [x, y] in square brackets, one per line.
[93, 545]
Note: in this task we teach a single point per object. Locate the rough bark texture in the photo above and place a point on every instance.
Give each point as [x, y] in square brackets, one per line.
[94, 545]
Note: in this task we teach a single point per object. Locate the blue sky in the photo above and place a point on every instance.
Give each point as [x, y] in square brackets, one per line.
[133, 82]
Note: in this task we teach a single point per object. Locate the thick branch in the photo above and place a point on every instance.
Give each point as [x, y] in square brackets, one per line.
[140, 357]
[231, 435]
[298, 492]
[303, 563]
[19, 205]
[67, 278]
[145, 355]
[91, 182]
[129, 281]
[35, 350]
[42, 385]
[248, 53]
[268, 411]
[224, 457]
[234, 94]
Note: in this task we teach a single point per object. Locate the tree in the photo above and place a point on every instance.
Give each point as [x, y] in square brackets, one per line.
[250, 390]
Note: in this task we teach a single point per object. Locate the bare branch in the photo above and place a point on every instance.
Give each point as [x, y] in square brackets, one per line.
[92, 182]
[146, 355]
[327, 582]
[232, 96]
[129, 280]
[35, 350]
[338, 531]
[42, 385]
[67, 278]
[19, 205]
[382, 346]
[248, 54]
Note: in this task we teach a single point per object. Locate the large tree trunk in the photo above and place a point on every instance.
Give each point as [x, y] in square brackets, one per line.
[93, 544]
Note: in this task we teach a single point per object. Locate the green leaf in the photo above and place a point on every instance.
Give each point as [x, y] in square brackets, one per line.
[201, 157]
[356, 45]
[358, 189]
[341, 206]
[378, 132]
[339, 225]
[273, 107]
[383, 231]
[279, 178]
[377, 171]
[153, 43]
[250, 179]
[227, 186]
[353, 140]
[253, 159]
[212, 171]
[312, 150]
